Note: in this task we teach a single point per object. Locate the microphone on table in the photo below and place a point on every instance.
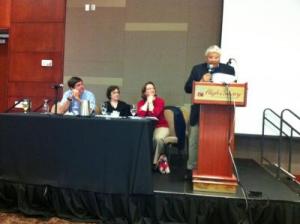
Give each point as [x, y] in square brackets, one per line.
[56, 87]
[13, 106]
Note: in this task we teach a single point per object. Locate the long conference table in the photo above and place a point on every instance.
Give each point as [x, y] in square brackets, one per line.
[106, 155]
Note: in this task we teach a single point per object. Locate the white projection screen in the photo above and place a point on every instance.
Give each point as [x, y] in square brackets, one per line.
[264, 38]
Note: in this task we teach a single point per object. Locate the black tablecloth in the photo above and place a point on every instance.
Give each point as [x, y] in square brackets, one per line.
[94, 154]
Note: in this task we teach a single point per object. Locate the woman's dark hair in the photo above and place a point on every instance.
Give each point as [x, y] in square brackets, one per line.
[72, 81]
[110, 89]
[144, 97]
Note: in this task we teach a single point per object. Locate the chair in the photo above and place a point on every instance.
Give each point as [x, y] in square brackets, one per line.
[172, 140]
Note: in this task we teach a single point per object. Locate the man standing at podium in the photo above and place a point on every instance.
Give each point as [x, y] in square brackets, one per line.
[202, 72]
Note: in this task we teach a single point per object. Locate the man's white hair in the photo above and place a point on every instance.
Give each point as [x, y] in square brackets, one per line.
[213, 49]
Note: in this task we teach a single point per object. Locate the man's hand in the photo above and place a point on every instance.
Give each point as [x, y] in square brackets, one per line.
[206, 77]
[76, 94]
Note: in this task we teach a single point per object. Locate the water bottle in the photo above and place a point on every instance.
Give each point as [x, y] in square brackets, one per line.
[45, 108]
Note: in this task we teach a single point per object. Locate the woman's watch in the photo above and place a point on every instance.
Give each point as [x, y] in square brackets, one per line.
[69, 99]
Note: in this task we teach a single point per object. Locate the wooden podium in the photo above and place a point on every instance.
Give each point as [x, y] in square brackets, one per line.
[214, 171]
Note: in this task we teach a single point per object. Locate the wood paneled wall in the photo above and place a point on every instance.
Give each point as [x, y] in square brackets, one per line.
[37, 31]
[4, 13]
[38, 11]
[3, 75]
[4, 25]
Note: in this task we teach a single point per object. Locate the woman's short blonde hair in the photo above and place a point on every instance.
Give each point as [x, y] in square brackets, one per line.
[213, 49]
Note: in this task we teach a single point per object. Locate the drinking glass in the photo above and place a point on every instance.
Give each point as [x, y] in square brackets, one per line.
[133, 109]
[104, 108]
[45, 108]
[25, 105]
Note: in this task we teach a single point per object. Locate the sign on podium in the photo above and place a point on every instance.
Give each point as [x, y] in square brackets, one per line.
[219, 94]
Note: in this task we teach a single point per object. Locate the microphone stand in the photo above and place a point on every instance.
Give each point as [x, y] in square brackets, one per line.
[56, 87]
[13, 106]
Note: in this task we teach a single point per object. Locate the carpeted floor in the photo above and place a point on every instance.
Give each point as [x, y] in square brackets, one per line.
[13, 218]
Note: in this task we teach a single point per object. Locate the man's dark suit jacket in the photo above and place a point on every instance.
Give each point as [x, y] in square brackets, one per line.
[196, 75]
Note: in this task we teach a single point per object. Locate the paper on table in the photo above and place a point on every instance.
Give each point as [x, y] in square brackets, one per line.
[152, 118]
[135, 117]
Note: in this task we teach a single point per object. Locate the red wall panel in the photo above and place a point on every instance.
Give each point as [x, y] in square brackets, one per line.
[34, 91]
[37, 37]
[37, 102]
[3, 74]
[5, 13]
[30, 89]
[38, 10]
[37, 32]
[27, 66]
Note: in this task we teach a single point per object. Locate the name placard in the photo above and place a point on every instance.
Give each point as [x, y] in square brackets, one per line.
[212, 93]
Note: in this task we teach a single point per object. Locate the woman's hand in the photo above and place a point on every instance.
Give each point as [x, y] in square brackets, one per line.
[145, 106]
[150, 99]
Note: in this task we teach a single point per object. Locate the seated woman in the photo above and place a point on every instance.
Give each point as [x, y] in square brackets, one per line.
[152, 105]
[114, 103]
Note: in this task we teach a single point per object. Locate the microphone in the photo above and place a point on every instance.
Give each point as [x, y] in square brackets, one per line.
[13, 106]
[210, 68]
[229, 62]
[57, 86]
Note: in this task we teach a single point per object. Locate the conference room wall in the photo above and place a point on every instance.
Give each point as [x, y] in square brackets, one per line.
[5, 13]
[36, 32]
[4, 24]
[132, 41]
[3, 74]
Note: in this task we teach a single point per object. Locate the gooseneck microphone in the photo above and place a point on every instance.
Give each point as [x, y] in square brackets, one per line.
[210, 68]
[57, 86]
[229, 62]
